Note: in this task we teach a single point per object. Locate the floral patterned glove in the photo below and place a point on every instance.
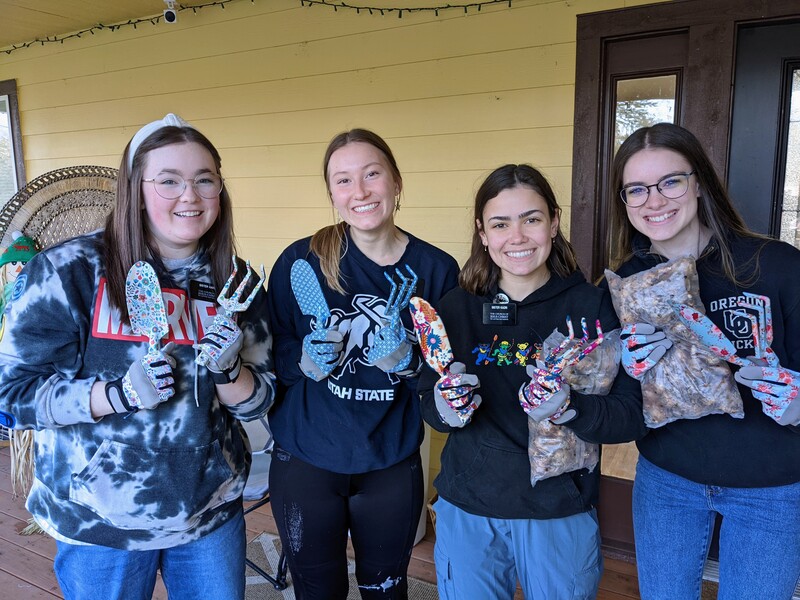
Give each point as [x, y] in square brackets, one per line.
[545, 396]
[148, 382]
[455, 395]
[776, 388]
[642, 347]
[219, 349]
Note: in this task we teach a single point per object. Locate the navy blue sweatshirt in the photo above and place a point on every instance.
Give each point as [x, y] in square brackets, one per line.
[359, 418]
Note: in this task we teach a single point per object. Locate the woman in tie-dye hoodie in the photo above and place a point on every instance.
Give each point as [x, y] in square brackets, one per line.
[140, 464]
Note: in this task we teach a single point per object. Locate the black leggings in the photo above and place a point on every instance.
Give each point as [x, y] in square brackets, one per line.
[315, 508]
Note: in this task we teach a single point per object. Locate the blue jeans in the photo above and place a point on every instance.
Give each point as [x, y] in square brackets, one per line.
[482, 557]
[211, 567]
[673, 520]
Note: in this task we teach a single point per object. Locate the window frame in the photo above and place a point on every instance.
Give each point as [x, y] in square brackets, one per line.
[8, 88]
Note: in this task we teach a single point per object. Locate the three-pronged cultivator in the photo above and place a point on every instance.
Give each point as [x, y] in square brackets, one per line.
[232, 304]
[571, 351]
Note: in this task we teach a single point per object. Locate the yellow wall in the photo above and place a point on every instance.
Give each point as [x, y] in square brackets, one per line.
[270, 82]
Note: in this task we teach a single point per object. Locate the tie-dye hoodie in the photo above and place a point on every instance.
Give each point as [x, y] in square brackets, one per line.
[153, 479]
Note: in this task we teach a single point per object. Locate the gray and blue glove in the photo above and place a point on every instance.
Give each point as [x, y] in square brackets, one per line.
[391, 349]
[323, 350]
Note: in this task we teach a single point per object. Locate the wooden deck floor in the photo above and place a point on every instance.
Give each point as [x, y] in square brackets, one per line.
[26, 562]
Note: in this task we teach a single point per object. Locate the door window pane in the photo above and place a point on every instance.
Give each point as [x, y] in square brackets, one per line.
[639, 102]
[790, 214]
[8, 175]
[642, 102]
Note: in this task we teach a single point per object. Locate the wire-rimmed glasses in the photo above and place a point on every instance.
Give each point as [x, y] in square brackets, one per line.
[170, 186]
[670, 186]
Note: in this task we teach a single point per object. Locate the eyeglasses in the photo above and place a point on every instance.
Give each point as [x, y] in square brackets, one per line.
[672, 186]
[170, 186]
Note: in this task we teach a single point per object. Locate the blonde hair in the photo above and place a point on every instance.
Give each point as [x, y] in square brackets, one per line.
[327, 245]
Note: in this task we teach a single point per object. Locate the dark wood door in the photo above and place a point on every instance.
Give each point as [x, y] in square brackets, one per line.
[767, 65]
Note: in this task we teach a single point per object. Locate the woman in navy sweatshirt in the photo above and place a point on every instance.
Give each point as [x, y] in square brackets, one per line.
[347, 426]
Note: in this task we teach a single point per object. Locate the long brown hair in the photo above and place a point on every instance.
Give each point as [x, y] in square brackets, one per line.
[327, 242]
[127, 240]
[714, 207]
[480, 273]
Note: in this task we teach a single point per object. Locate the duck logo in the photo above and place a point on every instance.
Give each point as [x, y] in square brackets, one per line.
[740, 329]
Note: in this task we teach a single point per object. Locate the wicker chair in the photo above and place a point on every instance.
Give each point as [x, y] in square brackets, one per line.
[59, 205]
[53, 207]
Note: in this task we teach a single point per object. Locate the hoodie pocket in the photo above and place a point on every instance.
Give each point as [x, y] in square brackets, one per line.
[165, 489]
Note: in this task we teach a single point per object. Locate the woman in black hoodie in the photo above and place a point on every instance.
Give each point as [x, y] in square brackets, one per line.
[669, 203]
[506, 511]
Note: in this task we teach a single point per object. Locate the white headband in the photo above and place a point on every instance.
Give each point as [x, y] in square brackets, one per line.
[171, 120]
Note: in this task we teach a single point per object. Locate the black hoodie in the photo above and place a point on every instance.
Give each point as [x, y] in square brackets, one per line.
[719, 450]
[485, 468]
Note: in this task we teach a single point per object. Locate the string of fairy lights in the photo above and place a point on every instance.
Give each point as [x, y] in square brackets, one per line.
[336, 6]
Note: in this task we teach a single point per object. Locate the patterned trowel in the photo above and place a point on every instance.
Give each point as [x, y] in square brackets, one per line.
[146, 305]
[433, 340]
[311, 301]
[436, 349]
[308, 293]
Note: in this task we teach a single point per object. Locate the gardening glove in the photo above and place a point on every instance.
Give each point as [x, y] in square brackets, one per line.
[454, 395]
[148, 383]
[642, 347]
[776, 388]
[219, 349]
[323, 350]
[545, 396]
[391, 349]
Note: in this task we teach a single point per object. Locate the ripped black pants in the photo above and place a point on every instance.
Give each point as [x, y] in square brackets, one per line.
[315, 508]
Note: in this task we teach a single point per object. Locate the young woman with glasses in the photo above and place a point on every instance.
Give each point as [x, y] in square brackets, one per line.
[668, 202]
[139, 461]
